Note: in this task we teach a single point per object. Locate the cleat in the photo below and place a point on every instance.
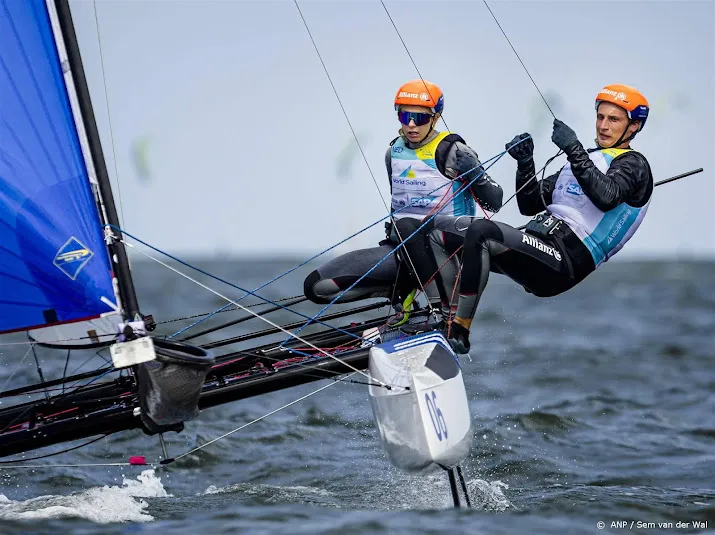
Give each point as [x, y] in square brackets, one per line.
[433, 322]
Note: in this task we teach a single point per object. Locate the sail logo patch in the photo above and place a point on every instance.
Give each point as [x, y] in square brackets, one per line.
[72, 257]
[407, 173]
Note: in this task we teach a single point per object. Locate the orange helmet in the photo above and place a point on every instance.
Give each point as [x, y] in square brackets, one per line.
[420, 93]
[628, 98]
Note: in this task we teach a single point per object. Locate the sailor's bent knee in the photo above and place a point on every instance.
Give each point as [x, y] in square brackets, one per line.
[482, 230]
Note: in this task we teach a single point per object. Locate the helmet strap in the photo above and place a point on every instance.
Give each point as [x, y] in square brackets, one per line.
[620, 139]
[426, 135]
[431, 127]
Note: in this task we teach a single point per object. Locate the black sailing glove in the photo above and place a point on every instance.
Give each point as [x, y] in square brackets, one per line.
[524, 151]
[564, 138]
[388, 234]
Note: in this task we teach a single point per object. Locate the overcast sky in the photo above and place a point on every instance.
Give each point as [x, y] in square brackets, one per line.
[246, 138]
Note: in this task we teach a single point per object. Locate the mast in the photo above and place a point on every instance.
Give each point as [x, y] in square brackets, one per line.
[127, 292]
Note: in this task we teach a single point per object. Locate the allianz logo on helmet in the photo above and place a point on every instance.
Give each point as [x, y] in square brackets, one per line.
[405, 94]
[530, 240]
[618, 95]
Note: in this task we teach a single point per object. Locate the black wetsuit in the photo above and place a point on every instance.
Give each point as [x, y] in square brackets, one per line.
[547, 264]
[394, 276]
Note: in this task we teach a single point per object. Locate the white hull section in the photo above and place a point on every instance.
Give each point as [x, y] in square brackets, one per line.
[424, 420]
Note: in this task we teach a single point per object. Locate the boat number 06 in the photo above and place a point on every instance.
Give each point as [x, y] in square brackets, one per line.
[435, 414]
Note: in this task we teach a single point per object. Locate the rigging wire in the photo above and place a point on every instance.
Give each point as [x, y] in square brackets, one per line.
[64, 373]
[422, 78]
[304, 362]
[96, 354]
[411, 58]
[310, 360]
[291, 270]
[414, 63]
[423, 223]
[244, 308]
[223, 309]
[57, 453]
[108, 371]
[519, 58]
[219, 279]
[31, 406]
[428, 91]
[542, 170]
[275, 325]
[344, 112]
[362, 152]
[109, 115]
[29, 350]
[532, 177]
[58, 341]
[39, 369]
[173, 320]
[167, 461]
[242, 319]
[337, 96]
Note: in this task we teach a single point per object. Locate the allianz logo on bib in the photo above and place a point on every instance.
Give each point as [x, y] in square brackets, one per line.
[574, 189]
[530, 240]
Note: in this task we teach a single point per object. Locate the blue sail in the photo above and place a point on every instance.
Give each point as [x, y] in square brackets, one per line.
[54, 264]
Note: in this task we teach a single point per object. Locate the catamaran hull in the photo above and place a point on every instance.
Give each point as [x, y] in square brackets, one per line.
[104, 408]
[423, 418]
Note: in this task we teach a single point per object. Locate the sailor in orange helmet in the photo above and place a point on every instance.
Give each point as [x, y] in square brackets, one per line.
[425, 167]
[585, 213]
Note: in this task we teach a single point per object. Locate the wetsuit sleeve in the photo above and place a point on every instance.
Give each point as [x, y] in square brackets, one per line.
[462, 161]
[628, 179]
[536, 194]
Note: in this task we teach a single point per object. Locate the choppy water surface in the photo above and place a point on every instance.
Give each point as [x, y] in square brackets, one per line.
[597, 405]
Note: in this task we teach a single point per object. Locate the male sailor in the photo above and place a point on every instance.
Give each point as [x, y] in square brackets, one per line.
[586, 212]
[428, 171]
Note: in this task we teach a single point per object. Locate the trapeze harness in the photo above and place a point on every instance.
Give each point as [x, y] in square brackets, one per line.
[418, 186]
[572, 212]
[559, 247]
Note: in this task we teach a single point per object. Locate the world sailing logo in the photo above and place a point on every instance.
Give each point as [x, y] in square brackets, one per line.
[72, 257]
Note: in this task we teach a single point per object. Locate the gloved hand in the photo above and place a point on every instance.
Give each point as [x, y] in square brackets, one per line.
[564, 138]
[524, 151]
[388, 234]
